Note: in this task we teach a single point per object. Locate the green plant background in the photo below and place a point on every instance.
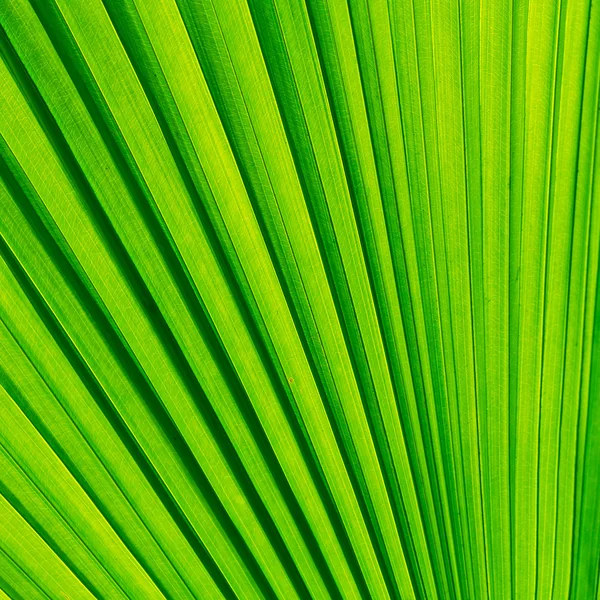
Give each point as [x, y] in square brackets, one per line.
[298, 299]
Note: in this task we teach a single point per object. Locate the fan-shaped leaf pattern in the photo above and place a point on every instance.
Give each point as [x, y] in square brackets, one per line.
[298, 299]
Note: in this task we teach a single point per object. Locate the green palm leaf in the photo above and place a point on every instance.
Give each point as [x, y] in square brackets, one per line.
[298, 299]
